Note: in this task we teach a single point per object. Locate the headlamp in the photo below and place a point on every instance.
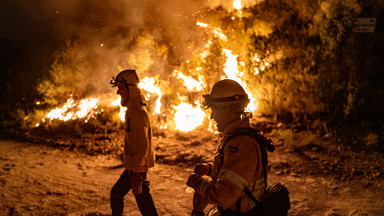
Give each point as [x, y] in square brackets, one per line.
[115, 82]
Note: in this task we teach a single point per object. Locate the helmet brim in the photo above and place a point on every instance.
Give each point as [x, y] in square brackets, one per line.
[209, 101]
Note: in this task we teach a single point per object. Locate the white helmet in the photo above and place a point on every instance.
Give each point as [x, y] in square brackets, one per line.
[128, 77]
[227, 93]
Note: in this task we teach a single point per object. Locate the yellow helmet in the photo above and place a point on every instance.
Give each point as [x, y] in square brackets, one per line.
[128, 77]
[227, 93]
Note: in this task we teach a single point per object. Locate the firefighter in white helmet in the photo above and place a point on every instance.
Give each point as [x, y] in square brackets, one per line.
[138, 155]
[237, 164]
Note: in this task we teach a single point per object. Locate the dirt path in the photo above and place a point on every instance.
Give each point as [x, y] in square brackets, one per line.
[40, 180]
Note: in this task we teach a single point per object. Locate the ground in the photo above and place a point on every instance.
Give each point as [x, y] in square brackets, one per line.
[44, 180]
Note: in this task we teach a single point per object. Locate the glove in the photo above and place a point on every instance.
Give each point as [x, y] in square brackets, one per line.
[202, 169]
[136, 183]
[194, 180]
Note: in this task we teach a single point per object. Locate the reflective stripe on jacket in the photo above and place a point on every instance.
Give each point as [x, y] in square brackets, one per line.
[242, 167]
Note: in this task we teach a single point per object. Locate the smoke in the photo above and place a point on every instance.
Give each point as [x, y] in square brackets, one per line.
[151, 36]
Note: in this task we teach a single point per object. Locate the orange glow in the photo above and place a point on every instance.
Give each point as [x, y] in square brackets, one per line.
[122, 109]
[148, 84]
[237, 4]
[231, 66]
[232, 72]
[188, 117]
[71, 110]
[190, 83]
[216, 31]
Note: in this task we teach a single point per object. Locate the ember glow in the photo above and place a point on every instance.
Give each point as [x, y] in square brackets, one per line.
[122, 111]
[188, 117]
[232, 72]
[237, 4]
[148, 84]
[86, 108]
[216, 31]
[231, 66]
[190, 83]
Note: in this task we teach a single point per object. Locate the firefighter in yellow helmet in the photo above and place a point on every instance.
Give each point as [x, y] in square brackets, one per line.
[138, 155]
[238, 161]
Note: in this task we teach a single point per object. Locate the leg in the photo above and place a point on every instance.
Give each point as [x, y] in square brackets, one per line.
[145, 201]
[119, 190]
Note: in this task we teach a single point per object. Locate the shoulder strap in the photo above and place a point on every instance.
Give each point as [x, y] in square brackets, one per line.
[263, 143]
[261, 140]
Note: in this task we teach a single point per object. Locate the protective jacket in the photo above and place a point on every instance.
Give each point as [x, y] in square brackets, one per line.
[237, 165]
[138, 153]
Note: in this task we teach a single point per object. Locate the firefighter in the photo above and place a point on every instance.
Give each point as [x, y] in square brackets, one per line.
[237, 163]
[138, 155]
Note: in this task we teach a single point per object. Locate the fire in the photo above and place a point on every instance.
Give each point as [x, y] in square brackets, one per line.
[86, 108]
[232, 72]
[237, 4]
[188, 117]
[148, 84]
[190, 83]
[216, 31]
[71, 110]
[231, 66]
[122, 111]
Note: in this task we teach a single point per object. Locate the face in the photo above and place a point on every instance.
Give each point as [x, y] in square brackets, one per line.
[124, 93]
[222, 118]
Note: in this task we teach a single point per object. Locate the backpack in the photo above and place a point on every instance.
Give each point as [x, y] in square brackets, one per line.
[275, 201]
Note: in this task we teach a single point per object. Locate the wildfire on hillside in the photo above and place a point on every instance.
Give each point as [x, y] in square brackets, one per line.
[183, 114]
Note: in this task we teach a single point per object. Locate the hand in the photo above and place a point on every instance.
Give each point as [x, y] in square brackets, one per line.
[194, 180]
[202, 169]
[136, 183]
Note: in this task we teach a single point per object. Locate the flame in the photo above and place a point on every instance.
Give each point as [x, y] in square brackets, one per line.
[232, 72]
[190, 83]
[216, 31]
[70, 110]
[230, 67]
[188, 117]
[201, 24]
[148, 84]
[237, 4]
[85, 106]
[231, 64]
[122, 111]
